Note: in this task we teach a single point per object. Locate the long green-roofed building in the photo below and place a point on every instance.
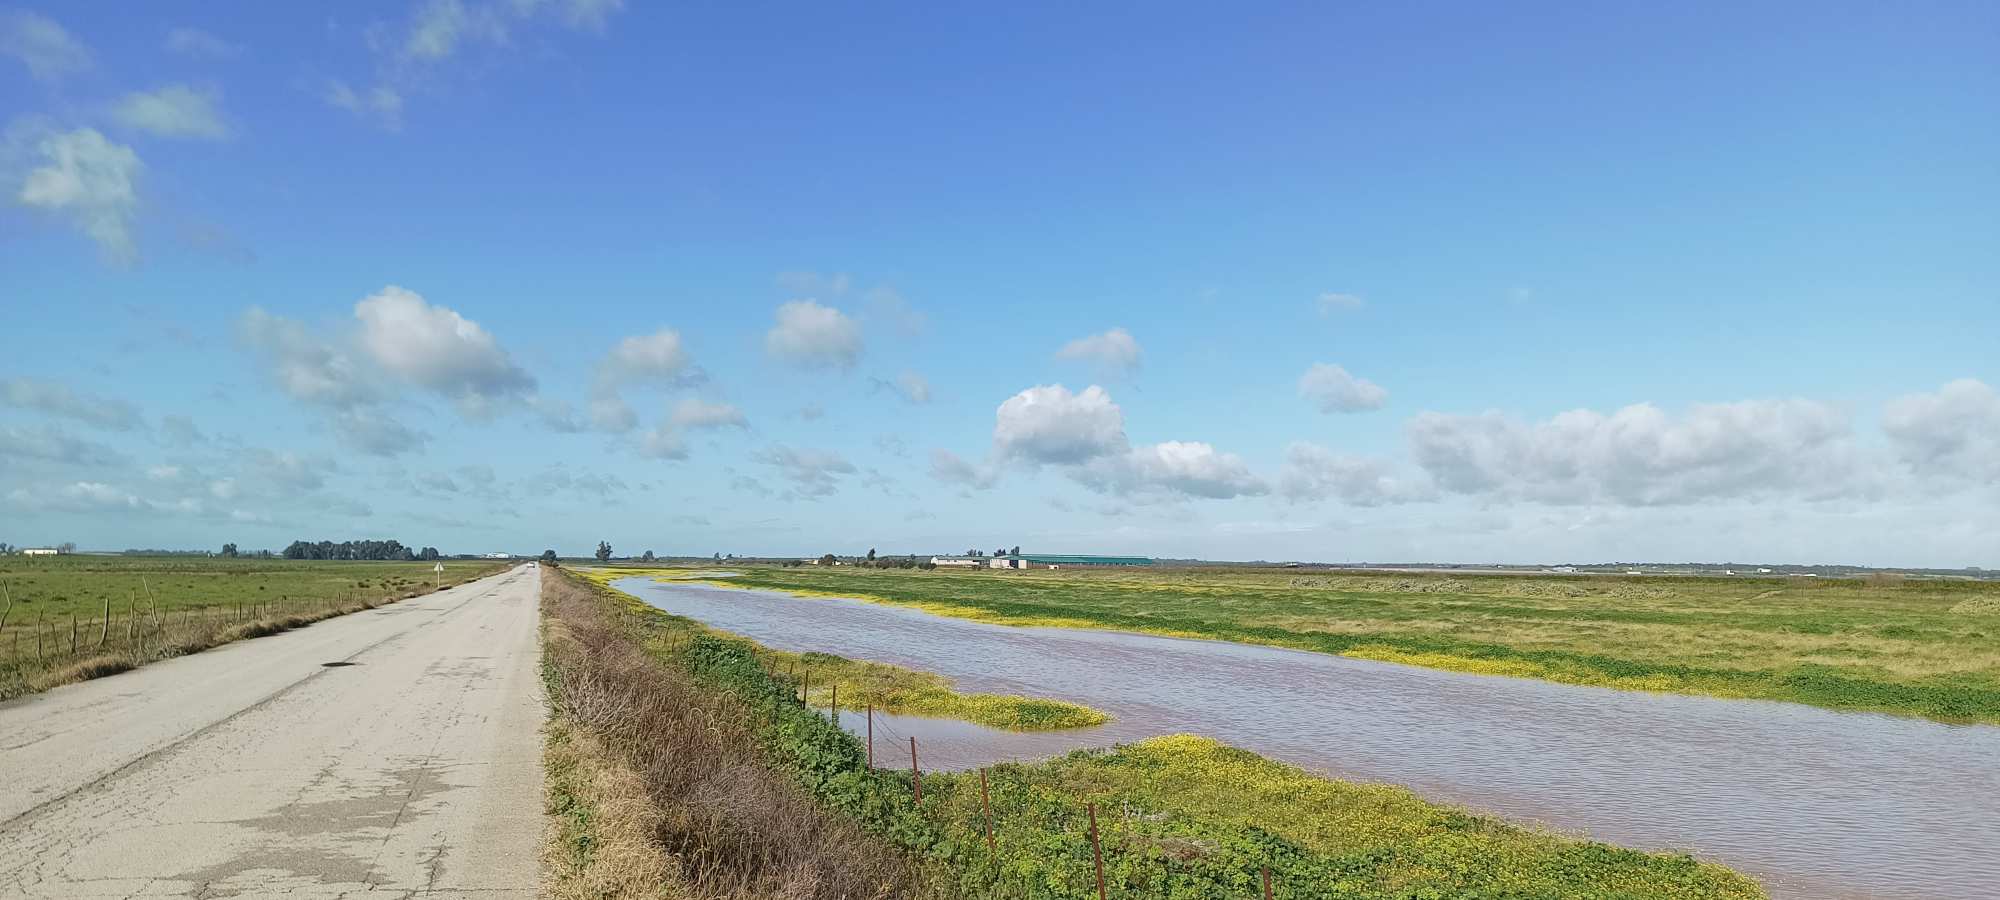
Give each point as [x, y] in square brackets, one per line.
[1069, 559]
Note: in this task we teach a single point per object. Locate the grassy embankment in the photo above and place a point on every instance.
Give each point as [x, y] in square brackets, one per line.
[1912, 647]
[892, 689]
[715, 755]
[78, 617]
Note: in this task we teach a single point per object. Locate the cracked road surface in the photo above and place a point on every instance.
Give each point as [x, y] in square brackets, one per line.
[257, 770]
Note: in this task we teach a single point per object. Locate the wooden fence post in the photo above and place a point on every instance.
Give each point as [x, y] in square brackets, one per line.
[916, 777]
[871, 735]
[1267, 883]
[833, 707]
[1096, 851]
[986, 805]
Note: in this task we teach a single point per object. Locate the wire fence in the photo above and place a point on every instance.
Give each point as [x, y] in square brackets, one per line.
[876, 730]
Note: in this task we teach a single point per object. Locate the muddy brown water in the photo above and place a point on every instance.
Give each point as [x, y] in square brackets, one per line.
[1814, 803]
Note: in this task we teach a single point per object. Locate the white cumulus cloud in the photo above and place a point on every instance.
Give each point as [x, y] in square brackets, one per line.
[1115, 352]
[813, 473]
[1953, 432]
[1313, 472]
[305, 366]
[1048, 424]
[694, 413]
[57, 399]
[812, 336]
[90, 181]
[436, 348]
[1190, 468]
[194, 42]
[174, 111]
[1640, 455]
[660, 357]
[41, 44]
[1332, 389]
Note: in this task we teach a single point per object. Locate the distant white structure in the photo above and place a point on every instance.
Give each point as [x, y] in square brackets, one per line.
[499, 556]
[1007, 562]
[958, 562]
[1566, 570]
[40, 551]
[1763, 571]
[1633, 572]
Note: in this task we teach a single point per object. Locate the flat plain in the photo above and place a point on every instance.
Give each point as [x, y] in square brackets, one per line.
[1921, 647]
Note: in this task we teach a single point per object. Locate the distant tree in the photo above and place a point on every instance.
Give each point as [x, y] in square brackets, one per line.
[1016, 551]
[647, 556]
[826, 560]
[429, 554]
[229, 551]
[603, 551]
[549, 556]
[66, 547]
[871, 554]
[6, 549]
[1000, 552]
[719, 556]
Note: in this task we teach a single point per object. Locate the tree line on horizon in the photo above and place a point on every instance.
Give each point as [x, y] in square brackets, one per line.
[392, 550]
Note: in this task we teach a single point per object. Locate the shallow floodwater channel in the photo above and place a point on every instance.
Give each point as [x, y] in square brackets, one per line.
[1815, 803]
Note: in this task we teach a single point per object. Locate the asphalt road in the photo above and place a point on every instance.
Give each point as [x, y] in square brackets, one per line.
[393, 753]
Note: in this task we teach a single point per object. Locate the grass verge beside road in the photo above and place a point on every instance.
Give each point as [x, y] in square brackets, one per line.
[1911, 647]
[72, 618]
[1180, 817]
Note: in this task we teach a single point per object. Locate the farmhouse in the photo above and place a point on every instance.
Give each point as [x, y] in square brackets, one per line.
[40, 551]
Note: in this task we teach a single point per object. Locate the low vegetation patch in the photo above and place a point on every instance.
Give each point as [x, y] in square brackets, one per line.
[1906, 646]
[1177, 817]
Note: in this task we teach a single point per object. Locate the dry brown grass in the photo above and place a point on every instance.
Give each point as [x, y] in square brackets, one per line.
[725, 825]
[603, 825]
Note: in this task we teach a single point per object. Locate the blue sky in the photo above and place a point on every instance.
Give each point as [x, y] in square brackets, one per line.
[1444, 282]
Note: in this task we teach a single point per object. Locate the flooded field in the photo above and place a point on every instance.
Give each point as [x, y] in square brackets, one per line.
[1816, 803]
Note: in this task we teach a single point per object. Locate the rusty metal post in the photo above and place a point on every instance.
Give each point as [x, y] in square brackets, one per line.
[1267, 883]
[986, 804]
[916, 777]
[1096, 852]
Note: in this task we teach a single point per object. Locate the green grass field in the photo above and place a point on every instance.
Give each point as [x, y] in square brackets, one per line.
[1926, 648]
[56, 627]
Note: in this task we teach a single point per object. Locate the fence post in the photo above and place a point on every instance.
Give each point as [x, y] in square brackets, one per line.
[806, 687]
[986, 804]
[833, 706]
[1096, 851]
[916, 777]
[1267, 883]
[871, 735]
